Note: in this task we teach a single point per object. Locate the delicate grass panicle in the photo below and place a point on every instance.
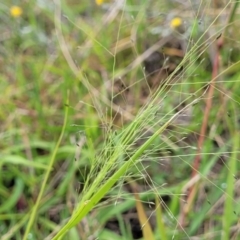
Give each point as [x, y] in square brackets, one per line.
[120, 121]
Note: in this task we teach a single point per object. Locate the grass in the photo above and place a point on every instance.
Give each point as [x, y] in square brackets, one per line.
[94, 148]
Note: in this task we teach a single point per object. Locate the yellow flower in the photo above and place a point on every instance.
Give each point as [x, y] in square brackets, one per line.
[99, 2]
[176, 22]
[15, 11]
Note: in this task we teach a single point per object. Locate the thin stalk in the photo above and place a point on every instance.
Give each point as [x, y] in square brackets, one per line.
[40, 195]
[228, 207]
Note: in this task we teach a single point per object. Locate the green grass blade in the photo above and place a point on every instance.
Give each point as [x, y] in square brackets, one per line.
[35, 208]
[87, 206]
